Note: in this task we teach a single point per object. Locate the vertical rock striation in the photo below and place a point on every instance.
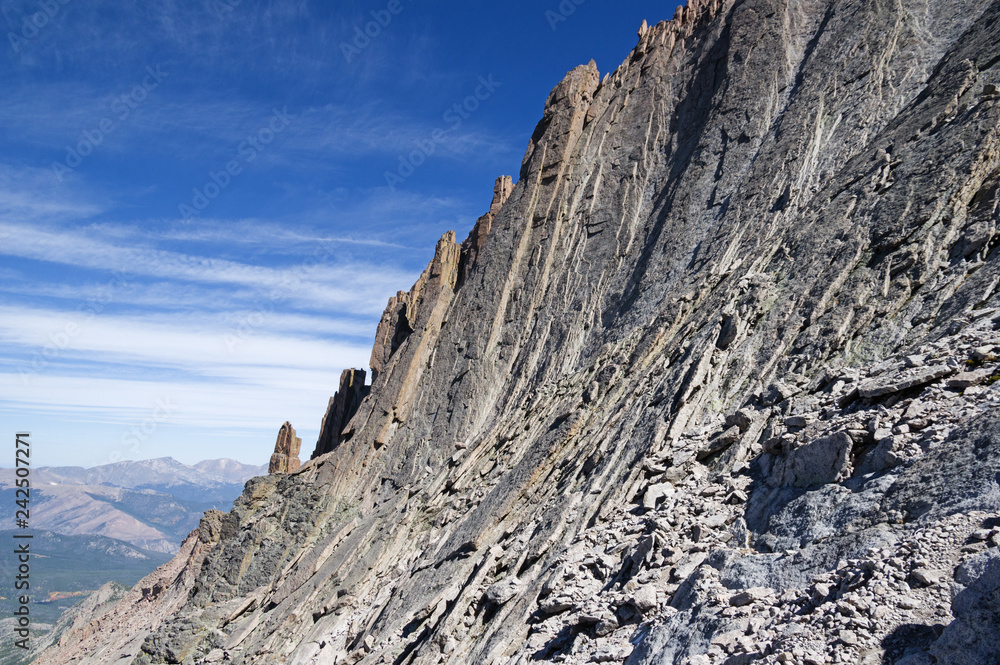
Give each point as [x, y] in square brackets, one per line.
[715, 382]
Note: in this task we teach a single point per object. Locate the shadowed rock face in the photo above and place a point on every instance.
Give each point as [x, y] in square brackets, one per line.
[342, 407]
[715, 382]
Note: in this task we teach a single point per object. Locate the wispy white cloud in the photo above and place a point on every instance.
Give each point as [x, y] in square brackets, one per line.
[211, 126]
[32, 194]
[208, 407]
[113, 369]
[318, 280]
[251, 232]
[103, 32]
[185, 342]
[170, 302]
[373, 130]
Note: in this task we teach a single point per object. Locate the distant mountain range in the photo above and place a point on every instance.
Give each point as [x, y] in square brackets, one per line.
[150, 504]
[166, 475]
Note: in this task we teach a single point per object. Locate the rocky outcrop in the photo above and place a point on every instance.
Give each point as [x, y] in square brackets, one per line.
[342, 407]
[719, 387]
[286, 451]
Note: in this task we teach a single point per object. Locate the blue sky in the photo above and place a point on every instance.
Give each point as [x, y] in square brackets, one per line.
[197, 228]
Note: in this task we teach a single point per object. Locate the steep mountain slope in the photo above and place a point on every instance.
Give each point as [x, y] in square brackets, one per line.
[715, 382]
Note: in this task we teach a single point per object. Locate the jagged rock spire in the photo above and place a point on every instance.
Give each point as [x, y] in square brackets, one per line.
[286, 451]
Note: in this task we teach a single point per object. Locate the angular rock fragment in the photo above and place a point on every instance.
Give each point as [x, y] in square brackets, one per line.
[965, 380]
[925, 577]
[502, 591]
[742, 419]
[719, 443]
[644, 598]
[778, 392]
[894, 383]
[750, 596]
[655, 493]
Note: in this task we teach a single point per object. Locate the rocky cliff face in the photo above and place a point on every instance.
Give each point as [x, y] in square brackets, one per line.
[715, 382]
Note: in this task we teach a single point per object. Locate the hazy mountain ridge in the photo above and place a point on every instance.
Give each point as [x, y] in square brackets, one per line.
[165, 474]
[152, 504]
